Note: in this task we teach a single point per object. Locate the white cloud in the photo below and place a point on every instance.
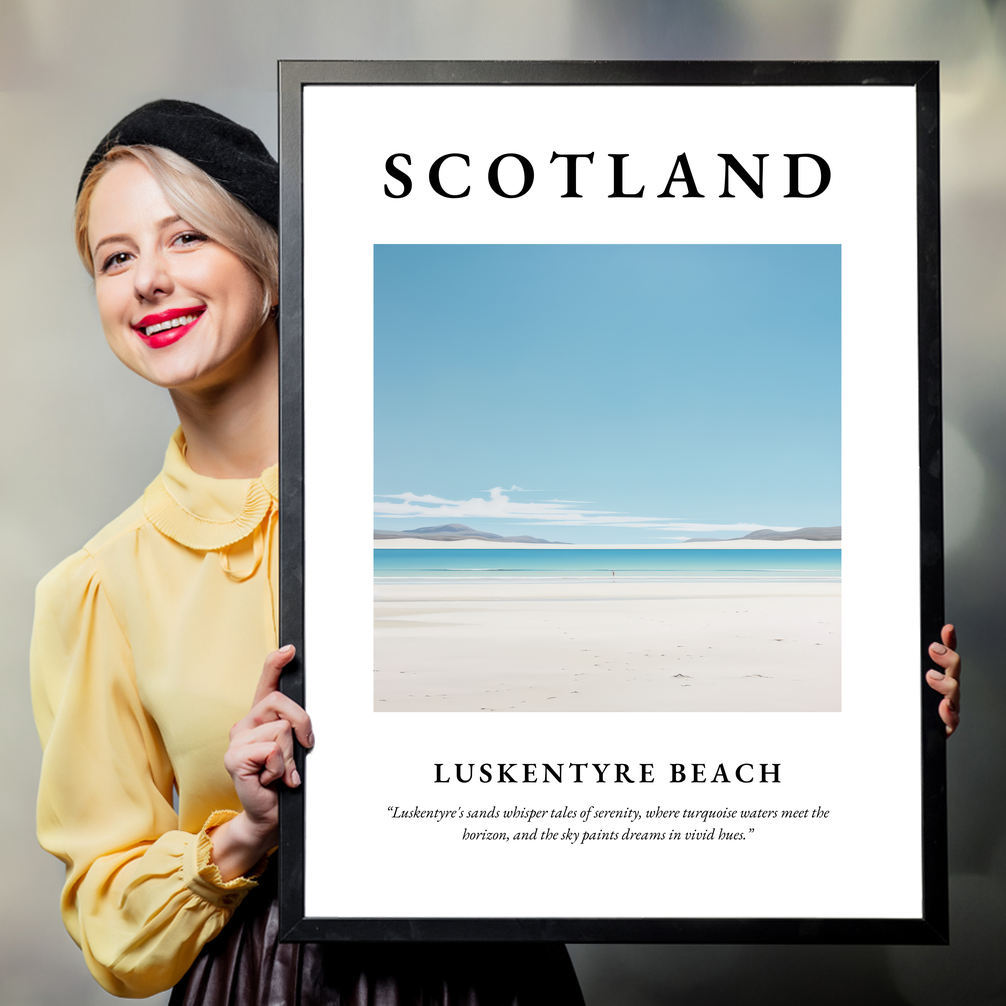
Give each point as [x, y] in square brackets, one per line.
[677, 526]
[413, 498]
[540, 513]
[497, 505]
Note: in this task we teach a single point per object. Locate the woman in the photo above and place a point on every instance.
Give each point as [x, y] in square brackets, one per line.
[148, 643]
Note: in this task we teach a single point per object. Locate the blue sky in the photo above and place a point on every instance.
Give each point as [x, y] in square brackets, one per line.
[607, 393]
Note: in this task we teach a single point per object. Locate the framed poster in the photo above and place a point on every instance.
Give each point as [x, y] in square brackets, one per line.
[611, 501]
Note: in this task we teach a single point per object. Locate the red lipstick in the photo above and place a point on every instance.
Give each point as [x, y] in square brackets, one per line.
[166, 327]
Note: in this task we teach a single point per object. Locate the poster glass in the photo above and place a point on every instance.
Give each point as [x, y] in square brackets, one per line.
[606, 450]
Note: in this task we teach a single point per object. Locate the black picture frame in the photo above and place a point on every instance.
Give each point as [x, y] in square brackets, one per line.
[931, 926]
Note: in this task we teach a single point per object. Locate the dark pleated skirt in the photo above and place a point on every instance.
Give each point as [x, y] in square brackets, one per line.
[246, 965]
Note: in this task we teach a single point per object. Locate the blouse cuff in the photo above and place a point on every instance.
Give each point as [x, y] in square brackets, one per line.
[202, 876]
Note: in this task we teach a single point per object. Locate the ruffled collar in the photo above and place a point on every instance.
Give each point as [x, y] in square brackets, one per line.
[203, 513]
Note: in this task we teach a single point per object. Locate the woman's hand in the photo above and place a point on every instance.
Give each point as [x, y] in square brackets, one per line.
[947, 682]
[260, 754]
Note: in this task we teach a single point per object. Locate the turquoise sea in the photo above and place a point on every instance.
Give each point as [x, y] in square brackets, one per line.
[605, 564]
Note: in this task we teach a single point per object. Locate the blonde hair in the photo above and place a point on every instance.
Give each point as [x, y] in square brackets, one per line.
[199, 200]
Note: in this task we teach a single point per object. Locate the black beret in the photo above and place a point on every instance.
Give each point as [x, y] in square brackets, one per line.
[231, 154]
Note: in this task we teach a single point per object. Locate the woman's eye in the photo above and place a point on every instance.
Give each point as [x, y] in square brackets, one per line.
[114, 261]
[190, 238]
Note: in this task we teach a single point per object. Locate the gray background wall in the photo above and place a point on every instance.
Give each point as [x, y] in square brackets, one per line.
[82, 436]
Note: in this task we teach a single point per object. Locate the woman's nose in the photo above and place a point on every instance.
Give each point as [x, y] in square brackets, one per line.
[152, 277]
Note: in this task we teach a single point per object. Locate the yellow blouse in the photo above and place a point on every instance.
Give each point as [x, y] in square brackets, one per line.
[147, 647]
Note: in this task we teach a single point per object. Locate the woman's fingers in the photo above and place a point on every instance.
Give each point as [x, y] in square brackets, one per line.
[950, 716]
[947, 686]
[258, 761]
[949, 710]
[949, 636]
[274, 766]
[277, 735]
[270, 703]
[947, 680]
[261, 748]
[277, 706]
[271, 671]
[945, 655]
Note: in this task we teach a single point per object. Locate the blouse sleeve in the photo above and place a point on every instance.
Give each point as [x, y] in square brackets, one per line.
[141, 898]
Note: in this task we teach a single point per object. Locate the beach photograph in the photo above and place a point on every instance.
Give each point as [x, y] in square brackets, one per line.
[607, 478]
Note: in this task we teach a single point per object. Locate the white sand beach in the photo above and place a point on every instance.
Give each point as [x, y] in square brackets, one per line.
[629, 645]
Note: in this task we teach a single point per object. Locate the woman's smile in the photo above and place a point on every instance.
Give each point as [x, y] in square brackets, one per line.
[166, 327]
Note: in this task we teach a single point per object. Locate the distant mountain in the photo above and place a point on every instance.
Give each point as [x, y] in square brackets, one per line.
[460, 532]
[802, 534]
